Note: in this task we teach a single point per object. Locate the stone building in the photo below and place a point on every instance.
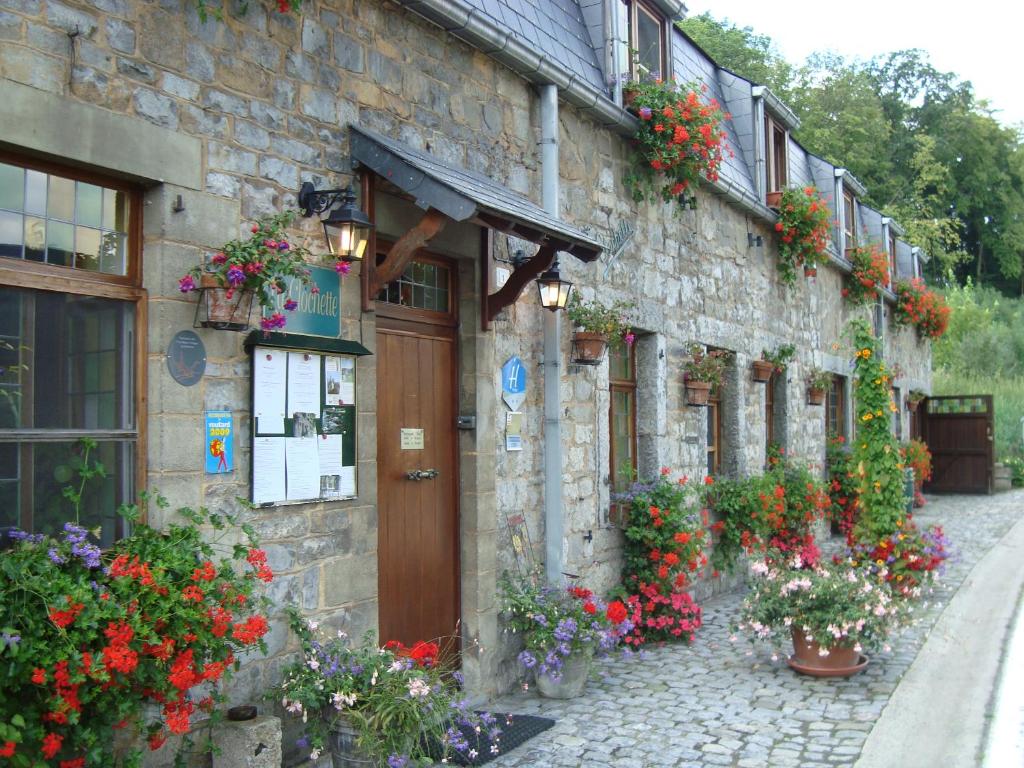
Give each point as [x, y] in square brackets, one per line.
[136, 138]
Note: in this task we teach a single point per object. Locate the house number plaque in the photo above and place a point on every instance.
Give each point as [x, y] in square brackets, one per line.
[412, 439]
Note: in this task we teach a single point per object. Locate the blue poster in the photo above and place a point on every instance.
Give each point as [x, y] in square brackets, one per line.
[220, 443]
[513, 382]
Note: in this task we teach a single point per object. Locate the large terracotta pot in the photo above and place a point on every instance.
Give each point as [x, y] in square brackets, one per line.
[841, 661]
[773, 200]
[221, 311]
[588, 348]
[573, 680]
[763, 370]
[815, 396]
[697, 392]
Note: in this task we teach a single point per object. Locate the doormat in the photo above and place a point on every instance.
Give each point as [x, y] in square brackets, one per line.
[515, 729]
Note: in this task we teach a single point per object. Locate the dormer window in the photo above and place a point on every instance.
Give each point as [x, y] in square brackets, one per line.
[642, 30]
[892, 258]
[776, 164]
[849, 221]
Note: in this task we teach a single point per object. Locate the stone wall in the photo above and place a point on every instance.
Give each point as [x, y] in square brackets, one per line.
[258, 103]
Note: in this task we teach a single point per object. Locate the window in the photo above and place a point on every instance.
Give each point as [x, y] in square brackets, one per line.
[775, 141]
[878, 320]
[835, 407]
[897, 416]
[70, 356]
[892, 259]
[642, 51]
[769, 413]
[622, 415]
[849, 220]
[423, 285]
[715, 431]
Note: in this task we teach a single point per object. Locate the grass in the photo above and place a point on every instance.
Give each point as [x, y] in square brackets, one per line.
[1008, 401]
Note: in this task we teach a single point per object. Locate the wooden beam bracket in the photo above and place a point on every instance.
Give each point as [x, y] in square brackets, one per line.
[517, 281]
[405, 247]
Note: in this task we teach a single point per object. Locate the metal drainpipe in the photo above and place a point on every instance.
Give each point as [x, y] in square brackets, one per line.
[554, 524]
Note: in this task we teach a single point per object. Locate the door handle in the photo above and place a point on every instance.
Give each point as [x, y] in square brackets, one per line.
[422, 474]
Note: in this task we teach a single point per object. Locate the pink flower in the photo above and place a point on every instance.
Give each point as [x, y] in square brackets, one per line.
[219, 258]
[235, 276]
[342, 267]
[276, 320]
[291, 304]
[645, 113]
[629, 338]
[186, 284]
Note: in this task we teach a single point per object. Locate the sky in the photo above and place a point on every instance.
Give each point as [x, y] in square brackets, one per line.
[980, 40]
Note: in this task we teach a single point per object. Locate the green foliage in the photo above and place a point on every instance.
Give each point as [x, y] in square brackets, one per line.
[820, 379]
[704, 365]
[842, 483]
[595, 317]
[779, 357]
[876, 455]
[803, 228]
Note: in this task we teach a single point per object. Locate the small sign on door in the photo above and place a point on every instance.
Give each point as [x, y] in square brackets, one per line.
[412, 439]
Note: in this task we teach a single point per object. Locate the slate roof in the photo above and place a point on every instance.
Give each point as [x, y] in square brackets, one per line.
[552, 27]
[463, 194]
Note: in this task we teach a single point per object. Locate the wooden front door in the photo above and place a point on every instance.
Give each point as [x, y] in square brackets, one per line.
[417, 480]
[958, 431]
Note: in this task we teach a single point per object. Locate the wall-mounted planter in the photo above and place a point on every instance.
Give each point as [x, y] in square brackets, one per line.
[588, 348]
[763, 370]
[218, 310]
[810, 272]
[697, 392]
[815, 396]
[773, 200]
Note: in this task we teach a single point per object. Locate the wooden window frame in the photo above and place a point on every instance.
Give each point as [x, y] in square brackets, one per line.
[776, 155]
[401, 312]
[769, 412]
[897, 421]
[714, 432]
[849, 220]
[628, 387]
[633, 9]
[892, 260]
[54, 278]
[835, 408]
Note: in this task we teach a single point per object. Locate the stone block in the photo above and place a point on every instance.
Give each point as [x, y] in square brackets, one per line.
[136, 70]
[298, 151]
[314, 38]
[29, 67]
[349, 53]
[199, 62]
[162, 39]
[269, 117]
[89, 84]
[249, 744]
[275, 169]
[227, 158]
[318, 103]
[204, 121]
[224, 102]
[251, 135]
[180, 87]
[207, 220]
[120, 35]
[156, 108]
[349, 579]
[177, 444]
[71, 20]
[223, 184]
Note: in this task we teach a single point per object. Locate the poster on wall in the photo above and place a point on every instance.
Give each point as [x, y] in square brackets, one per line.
[220, 443]
[304, 442]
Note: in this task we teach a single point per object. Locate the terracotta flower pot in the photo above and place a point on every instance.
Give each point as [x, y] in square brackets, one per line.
[763, 370]
[810, 271]
[815, 396]
[222, 311]
[697, 392]
[840, 661]
[588, 348]
[773, 200]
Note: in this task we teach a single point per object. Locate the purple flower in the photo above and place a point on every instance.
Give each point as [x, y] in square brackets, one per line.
[235, 276]
[276, 320]
[8, 640]
[283, 246]
[342, 267]
[645, 113]
[527, 659]
[55, 556]
[566, 630]
[291, 304]
[186, 284]
[397, 761]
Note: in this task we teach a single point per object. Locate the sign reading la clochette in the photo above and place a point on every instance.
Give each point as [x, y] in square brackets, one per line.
[318, 313]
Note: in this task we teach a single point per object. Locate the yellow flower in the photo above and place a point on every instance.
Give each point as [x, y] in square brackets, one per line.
[888, 449]
[900, 577]
[867, 417]
[878, 381]
[892, 407]
[878, 413]
[879, 562]
[865, 353]
[899, 523]
[902, 536]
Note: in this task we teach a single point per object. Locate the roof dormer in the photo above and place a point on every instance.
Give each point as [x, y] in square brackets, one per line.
[773, 121]
[848, 189]
[635, 36]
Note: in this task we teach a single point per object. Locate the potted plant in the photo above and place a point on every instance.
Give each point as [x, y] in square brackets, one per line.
[922, 308]
[678, 140]
[914, 399]
[773, 362]
[702, 371]
[562, 630]
[595, 325]
[818, 382]
[376, 706]
[137, 635]
[870, 273]
[243, 269]
[832, 613]
[803, 228]
[773, 200]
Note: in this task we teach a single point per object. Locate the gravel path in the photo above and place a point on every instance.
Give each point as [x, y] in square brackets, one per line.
[719, 703]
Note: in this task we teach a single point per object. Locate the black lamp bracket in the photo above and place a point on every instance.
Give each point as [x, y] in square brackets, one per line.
[316, 201]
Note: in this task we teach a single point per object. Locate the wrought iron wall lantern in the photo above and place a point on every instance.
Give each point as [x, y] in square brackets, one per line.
[554, 291]
[346, 226]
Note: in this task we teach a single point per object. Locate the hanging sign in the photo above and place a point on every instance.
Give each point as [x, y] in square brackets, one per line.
[220, 443]
[319, 304]
[513, 383]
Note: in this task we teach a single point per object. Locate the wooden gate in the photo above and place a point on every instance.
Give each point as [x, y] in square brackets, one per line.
[958, 431]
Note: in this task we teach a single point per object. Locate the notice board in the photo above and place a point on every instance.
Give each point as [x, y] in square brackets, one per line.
[304, 416]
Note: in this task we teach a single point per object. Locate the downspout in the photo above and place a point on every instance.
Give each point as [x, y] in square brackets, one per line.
[554, 523]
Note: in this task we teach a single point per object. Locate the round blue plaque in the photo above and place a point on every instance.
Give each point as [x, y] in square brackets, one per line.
[186, 358]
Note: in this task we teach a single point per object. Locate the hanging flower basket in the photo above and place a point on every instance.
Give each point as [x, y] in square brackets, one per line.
[588, 348]
[226, 309]
[698, 392]
[815, 396]
[763, 370]
[810, 272]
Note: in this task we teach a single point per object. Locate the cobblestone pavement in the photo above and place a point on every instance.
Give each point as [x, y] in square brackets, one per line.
[720, 703]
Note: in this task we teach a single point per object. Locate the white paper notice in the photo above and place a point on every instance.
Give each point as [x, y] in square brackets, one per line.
[269, 370]
[303, 468]
[329, 447]
[303, 384]
[332, 380]
[268, 457]
[348, 481]
[348, 380]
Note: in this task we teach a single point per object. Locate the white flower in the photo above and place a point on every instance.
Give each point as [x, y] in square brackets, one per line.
[418, 687]
[823, 651]
[313, 664]
[312, 625]
[314, 755]
[373, 678]
[472, 754]
[341, 700]
[295, 707]
[396, 666]
[494, 749]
